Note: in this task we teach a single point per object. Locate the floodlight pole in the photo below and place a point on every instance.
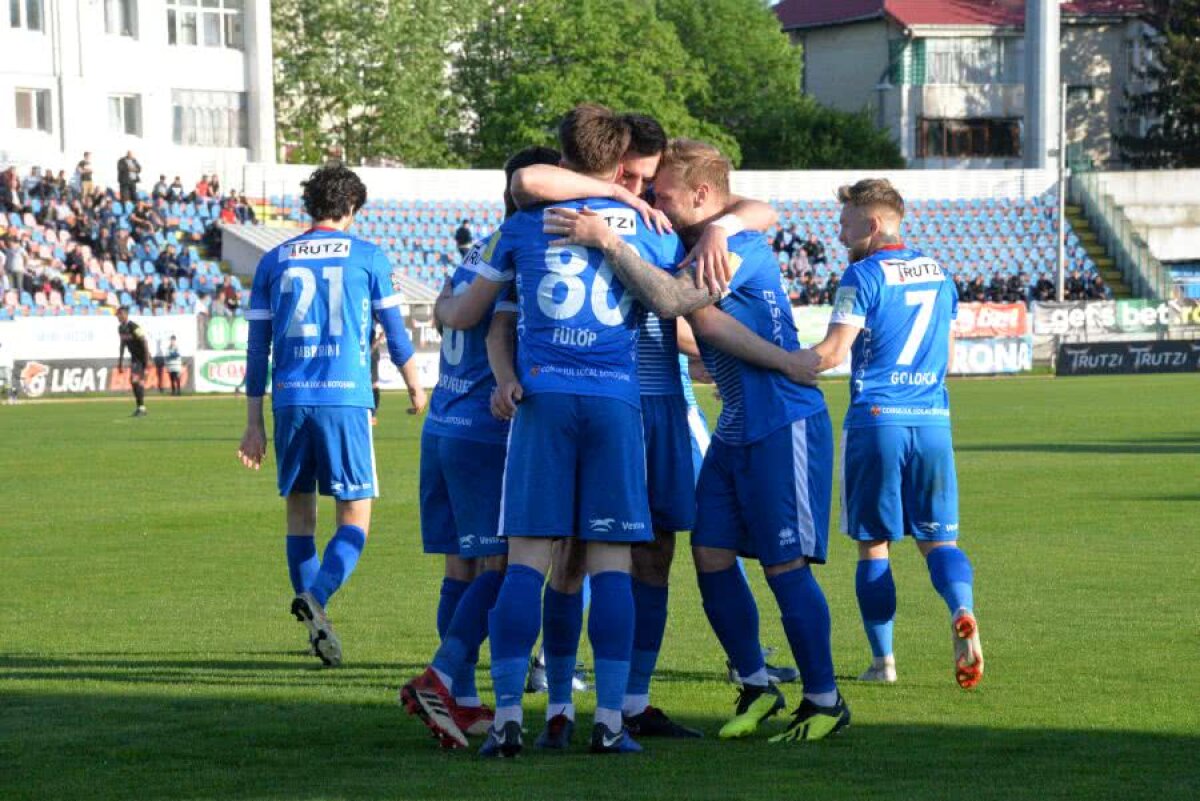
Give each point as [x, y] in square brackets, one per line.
[1063, 175]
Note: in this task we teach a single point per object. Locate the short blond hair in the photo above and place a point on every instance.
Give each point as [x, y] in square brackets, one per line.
[872, 192]
[698, 163]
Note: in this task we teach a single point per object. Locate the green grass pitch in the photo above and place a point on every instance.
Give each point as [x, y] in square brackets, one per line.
[146, 651]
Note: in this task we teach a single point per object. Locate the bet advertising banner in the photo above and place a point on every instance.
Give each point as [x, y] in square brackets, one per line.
[1101, 319]
[53, 377]
[1127, 358]
[991, 320]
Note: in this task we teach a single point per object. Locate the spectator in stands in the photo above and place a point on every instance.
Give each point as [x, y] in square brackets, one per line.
[831, 287]
[243, 209]
[139, 218]
[961, 287]
[1018, 288]
[73, 262]
[121, 247]
[812, 290]
[175, 190]
[160, 188]
[203, 189]
[167, 263]
[1044, 290]
[229, 213]
[15, 260]
[186, 268]
[165, 296]
[1075, 288]
[786, 241]
[129, 172]
[32, 185]
[977, 291]
[463, 238]
[12, 197]
[144, 294]
[815, 250]
[228, 301]
[214, 186]
[997, 288]
[83, 171]
[1098, 290]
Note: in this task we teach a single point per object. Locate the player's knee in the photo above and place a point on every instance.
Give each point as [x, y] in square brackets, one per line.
[652, 560]
[712, 560]
[568, 566]
[925, 547]
[775, 570]
[533, 552]
[459, 569]
[605, 557]
[875, 549]
[496, 563]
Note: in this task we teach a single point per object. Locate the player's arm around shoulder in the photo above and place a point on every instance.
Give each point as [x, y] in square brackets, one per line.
[850, 306]
[709, 257]
[465, 309]
[665, 294]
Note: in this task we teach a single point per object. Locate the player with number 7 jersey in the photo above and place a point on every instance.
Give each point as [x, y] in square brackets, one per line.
[314, 302]
[894, 313]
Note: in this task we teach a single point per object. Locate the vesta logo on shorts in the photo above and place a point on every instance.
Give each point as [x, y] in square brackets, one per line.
[319, 249]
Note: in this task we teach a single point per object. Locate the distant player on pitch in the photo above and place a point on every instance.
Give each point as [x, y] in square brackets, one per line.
[133, 339]
[312, 304]
[893, 314]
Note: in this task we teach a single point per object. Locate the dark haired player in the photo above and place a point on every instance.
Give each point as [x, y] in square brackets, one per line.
[133, 339]
[313, 302]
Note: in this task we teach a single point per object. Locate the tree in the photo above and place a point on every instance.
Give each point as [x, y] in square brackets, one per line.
[529, 61]
[368, 77]
[1169, 100]
[754, 72]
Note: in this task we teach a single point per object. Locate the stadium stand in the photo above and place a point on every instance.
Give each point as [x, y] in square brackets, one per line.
[973, 237]
[66, 267]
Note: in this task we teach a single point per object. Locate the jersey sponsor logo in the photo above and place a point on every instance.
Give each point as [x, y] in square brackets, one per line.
[899, 272]
[319, 249]
[623, 221]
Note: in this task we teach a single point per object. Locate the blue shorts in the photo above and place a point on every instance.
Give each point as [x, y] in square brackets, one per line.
[698, 431]
[326, 448]
[769, 500]
[899, 480]
[576, 468]
[461, 481]
[669, 475]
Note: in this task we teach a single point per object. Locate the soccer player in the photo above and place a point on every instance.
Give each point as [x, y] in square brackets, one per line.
[893, 314]
[764, 489]
[463, 449]
[133, 339]
[671, 482]
[312, 304]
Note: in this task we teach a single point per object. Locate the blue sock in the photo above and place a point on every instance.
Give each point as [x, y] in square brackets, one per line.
[302, 561]
[459, 651]
[649, 623]
[452, 593]
[611, 633]
[952, 577]
[806, 623]
[733, 615]
[562, 622]
[341, 555]
[513, 626]
[877, 602]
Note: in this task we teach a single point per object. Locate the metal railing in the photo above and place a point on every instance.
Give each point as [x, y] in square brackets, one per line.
[1144, 273]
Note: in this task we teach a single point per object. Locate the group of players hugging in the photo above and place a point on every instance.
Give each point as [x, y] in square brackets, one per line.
[559, 438]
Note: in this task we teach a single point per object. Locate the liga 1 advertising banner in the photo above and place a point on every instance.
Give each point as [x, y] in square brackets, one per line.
[39, 378]
[1086, 320]
[1128, 358]
[991, 321]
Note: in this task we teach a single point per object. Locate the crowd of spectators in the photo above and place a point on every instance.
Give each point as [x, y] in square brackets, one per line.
[55, 230]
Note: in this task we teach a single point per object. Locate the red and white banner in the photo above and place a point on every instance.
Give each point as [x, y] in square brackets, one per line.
[991, 321]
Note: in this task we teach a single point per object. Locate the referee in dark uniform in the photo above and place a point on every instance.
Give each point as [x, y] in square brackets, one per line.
[133, 339]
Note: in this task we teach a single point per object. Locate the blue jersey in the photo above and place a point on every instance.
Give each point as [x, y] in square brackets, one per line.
[658, 356]
[319, 291]
[461, 402]
[757, 401]
[577, 327]
[685, 380]
[905, 303]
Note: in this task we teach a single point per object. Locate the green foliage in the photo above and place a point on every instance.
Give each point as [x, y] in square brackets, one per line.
[366, 76]
[1171, 98]
[797, 133]
[528, 62]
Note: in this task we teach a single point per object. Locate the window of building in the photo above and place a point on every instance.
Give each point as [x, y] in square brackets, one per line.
[26, 14]
[33, 110]
[969, 138]
[209, 119]
[974, 60]
[207, 23]
[120, 17]
[125, 114]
